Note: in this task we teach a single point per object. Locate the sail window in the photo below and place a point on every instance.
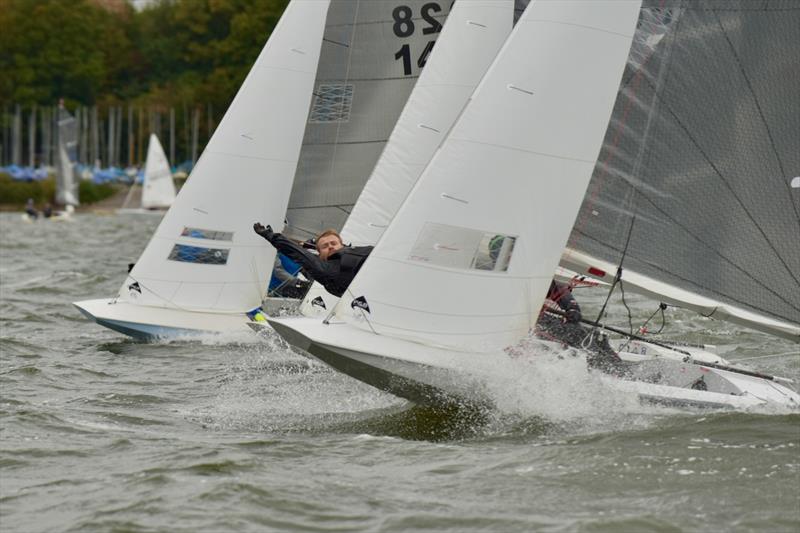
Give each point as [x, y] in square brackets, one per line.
[198, 254]
[464, 248]
[197, 233]
[332, 102]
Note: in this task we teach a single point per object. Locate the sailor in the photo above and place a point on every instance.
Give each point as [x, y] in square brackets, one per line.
[568, 330]
[30, 209]
[334, 267]
[561, 293]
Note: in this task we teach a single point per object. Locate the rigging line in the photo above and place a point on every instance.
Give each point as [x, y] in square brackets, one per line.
[618, 279]
[635, 80]
[628, 309]
[725, 182]
[713, 250]
[760, 114]
[722, 256]
[663, 73]
[363, 314]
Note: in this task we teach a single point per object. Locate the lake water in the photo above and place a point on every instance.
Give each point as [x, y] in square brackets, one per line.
[102, 433]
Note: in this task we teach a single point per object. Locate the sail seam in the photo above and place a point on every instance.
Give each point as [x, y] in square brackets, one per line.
[563, 23]
[249, 157]
[517, 149]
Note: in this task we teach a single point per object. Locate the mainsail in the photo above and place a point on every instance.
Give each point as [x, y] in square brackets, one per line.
[467, 260]
[691, 194]
[443, 88]
[372, 54]
[66, 186]
[158, 189]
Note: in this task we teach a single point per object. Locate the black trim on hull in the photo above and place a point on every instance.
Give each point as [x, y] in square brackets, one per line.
[412, 390]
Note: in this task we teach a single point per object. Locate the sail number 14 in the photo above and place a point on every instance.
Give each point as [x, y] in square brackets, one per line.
[404, 26]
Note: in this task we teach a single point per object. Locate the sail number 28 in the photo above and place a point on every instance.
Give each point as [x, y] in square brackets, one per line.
[404, 26]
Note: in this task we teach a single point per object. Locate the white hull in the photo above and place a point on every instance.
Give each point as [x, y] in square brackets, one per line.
[149, 323]
[434, 376]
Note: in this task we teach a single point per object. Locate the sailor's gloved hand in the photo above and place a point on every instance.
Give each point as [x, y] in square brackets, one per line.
[573, 315]
[264, 231]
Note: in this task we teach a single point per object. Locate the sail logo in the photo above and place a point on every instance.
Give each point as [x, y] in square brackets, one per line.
[319, 302]
[134, 287]
[360, 303]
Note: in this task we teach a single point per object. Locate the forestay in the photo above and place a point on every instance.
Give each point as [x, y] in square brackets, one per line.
[468, 259]
[372, 54]
[204, 255]
[158, 189]
[691, 193]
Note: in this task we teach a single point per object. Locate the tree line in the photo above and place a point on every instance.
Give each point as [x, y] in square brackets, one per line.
[188, 56]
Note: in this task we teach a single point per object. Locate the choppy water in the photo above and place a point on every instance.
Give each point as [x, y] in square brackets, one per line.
[101, 433]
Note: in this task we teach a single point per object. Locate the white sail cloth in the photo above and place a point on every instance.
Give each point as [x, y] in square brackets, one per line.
[204, 255]
[470, 40]
[372, 54]
[467, 260]
[158, 189]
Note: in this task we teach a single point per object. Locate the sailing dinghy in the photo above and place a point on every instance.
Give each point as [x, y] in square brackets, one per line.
[361, 78]
[158, 188]
[204, 268]
[435, 307]
[443, 89]
[66, 184]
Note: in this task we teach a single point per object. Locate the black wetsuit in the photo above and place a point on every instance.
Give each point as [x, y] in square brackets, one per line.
[335, 274]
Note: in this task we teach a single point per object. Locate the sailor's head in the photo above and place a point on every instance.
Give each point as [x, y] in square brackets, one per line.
[328, 242]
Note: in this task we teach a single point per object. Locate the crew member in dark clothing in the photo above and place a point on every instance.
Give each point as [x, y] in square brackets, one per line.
[334, 267]
[570, 331]
[31, 210]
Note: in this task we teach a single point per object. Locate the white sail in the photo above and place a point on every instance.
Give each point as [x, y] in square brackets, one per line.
[158, 189]
[66, 185]
[372, 54]
[204, 256]
[470, 40]
[468, 259]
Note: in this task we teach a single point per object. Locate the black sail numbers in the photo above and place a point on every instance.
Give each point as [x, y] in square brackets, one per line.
[405, 24]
